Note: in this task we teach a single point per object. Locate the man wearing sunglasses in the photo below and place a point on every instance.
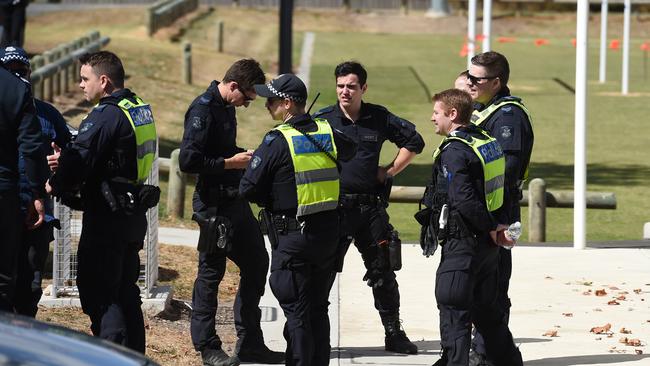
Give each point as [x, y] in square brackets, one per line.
[505, 118]
[209, 149]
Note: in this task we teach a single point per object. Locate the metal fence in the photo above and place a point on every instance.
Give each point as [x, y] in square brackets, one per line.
[354, 4]
[66, 242]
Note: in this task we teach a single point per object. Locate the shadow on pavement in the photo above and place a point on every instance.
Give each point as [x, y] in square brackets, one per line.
[585, 360]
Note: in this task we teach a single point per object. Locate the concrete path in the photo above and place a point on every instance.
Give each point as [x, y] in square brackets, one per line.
[553, 289]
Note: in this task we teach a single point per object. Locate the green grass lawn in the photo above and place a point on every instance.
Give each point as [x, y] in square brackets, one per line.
[395, 59]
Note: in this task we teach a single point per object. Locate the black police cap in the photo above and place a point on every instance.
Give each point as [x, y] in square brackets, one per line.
[287, 86]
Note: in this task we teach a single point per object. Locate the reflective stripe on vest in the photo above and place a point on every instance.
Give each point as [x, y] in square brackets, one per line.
[317, 177]
[141, 119]
[479, 117]
[494, 164]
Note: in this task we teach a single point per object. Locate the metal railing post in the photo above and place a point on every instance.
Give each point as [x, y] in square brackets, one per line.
[537, 211]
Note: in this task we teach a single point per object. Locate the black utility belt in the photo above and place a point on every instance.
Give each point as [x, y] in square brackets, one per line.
[355, 200]
[284, 223]
[129, 198]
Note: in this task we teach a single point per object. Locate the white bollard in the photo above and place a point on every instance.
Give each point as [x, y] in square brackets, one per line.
[646, 230]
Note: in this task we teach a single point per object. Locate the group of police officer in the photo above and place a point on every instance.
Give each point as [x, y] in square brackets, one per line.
[319, 184]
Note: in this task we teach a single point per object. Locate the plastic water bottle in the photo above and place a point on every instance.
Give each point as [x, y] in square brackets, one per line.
[513, 233]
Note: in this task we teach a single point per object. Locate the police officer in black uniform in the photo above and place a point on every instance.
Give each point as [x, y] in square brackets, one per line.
[467, 185]
[365, 187]
[209, 149]
[13, 15]
[20, 133]
[294, 175]
[507, 119]
[35, 246]
[108, 163]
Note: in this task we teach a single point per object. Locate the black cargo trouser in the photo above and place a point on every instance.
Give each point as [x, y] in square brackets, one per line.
[107, 276]
[369, 225]
[504, 273]
[249, 253]
[302, 272]
[466, 291]
[11, 226]
[34, 249]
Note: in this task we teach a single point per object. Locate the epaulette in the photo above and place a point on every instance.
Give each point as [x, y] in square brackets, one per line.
[100, 107]
[270, 136]
[205, 98]
[325, 110]
[461, 134]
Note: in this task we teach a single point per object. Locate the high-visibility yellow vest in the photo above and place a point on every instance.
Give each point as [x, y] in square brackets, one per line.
[478, 117]
[490, 154]
[317, 177]
[141, 119]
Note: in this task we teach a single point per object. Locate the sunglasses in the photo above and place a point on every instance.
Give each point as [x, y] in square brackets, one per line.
[475, 80]
[246, 97]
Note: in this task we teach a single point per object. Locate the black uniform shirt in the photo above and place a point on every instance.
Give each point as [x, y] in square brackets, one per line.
[105, 148]
[375, 125]
[464, 174]
[20, 131]
[209, 138]
[270, 180]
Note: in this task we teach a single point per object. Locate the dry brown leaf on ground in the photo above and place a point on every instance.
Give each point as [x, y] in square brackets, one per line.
[638, 351]
[550, 333]
[588, 292]
[613, 302]
[614, 288]
[548, 278]
[625, 331]
[633, 342]
[585, 283]
[601, 292]
[568, 315]
[623, 293]
[637, 290]
[622, 297]
[599, 330]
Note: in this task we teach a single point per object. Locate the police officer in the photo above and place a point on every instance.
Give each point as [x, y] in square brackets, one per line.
[35, 243]
[507, 119]
[365, 187]
[108, 163]
[209, 149]
[20, 134]
[467, 187]
[294, 175]
[13, 16]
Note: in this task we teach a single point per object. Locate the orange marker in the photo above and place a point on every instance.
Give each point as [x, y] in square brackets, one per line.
[541, 42]
[614, 44]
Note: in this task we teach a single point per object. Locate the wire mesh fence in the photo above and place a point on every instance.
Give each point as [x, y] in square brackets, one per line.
[66, 242]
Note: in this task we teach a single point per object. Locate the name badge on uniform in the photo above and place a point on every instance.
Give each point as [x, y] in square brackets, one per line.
[141, 115]
[368, 138]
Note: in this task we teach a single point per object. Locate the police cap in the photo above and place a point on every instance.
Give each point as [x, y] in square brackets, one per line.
[287, 86]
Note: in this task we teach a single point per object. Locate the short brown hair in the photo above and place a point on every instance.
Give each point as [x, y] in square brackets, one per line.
[105, 63]
[245, 72]
[458, 99]
[495, 64]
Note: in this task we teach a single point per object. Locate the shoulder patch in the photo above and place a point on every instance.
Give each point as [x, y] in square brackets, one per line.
[507, 110]
[205, 99]
[197, 123]
[505, 132]
[85, 127]
[255, 162]
[270, 136]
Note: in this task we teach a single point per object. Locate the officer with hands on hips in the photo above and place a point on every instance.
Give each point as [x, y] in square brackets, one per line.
[108, 163]
[228, 227]
[467, 187]
[294, 175]
[35, 242]
[365, 187]
[505, 118]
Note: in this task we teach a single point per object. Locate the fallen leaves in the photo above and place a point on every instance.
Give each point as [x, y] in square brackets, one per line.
[568, 315]
[600, 330]
[622, 298]
[637, 290]
[550, 333]
[613, 302]
[634, 342]
[625, 331]
[601, 293]
[638, 351]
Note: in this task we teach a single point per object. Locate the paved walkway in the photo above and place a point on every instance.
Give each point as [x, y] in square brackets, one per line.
[553, 289]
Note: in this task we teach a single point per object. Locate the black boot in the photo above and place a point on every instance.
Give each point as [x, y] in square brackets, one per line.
[217, 357]
[478, 359]
[396, 339]
[442, 361]
[261, 354]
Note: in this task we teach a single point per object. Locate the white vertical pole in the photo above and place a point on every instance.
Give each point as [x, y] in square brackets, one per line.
[471, 30]
[580, 161]
[603, 41]
[626, 47]
[487, 24]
